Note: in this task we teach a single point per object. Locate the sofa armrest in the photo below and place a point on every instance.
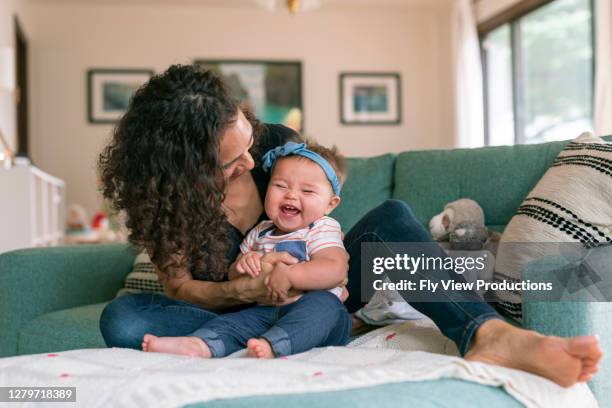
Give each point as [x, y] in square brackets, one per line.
[41, 280]
[578, 316]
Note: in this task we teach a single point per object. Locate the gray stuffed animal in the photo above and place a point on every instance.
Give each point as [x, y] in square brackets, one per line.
[462, 223]
[468, 237]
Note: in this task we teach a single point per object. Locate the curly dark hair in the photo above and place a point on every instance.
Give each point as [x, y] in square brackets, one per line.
[162, 168]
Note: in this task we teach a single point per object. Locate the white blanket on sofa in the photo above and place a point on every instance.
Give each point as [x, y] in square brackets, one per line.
[129, 378]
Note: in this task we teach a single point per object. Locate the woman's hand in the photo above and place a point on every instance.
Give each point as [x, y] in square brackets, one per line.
[221, 295]
[278, 283]
[279, 296]
[253, 289]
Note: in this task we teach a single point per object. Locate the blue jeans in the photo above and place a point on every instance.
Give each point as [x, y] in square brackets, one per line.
[317, 319]
[127, 319]
[393, 221]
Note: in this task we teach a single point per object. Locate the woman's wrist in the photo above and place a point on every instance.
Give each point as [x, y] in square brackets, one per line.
[240, 290]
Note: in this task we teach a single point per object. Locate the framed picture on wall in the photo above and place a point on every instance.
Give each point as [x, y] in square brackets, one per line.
[370, 98]
[273, 89]
[109, 92]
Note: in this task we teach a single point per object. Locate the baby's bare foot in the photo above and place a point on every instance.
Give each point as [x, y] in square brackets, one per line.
[565, 361]
[186, 346]
[259, 348]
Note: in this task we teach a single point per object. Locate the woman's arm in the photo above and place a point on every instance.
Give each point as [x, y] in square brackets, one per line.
[217, 296]
[213, 296]
[233, 273]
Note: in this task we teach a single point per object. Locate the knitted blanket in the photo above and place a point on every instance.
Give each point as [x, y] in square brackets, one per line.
[130, 378]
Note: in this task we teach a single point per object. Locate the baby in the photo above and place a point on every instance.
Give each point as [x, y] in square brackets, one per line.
[304, 188]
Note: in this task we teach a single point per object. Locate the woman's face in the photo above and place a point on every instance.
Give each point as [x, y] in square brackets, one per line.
[234, 148]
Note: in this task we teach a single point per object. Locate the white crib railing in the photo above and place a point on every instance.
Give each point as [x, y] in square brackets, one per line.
[32, 208]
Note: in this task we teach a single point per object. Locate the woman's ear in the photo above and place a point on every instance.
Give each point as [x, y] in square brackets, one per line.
[333, 203]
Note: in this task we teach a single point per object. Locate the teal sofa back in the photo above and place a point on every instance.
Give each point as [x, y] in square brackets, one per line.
[369, 182]
[498, 178]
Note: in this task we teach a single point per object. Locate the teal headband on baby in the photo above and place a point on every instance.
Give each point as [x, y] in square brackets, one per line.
[299, 149]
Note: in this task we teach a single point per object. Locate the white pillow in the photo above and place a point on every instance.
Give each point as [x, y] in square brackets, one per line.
[142, 278]
[572, 202]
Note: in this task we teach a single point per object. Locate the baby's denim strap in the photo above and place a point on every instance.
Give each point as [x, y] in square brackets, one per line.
[266, 230]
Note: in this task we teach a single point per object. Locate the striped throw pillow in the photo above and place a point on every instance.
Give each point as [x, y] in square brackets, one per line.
[572, 202]
[142, 278]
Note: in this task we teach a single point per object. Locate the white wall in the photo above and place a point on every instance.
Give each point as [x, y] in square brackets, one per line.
[71, 37]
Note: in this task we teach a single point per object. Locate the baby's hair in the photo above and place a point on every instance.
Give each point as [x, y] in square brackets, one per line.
[333, 157]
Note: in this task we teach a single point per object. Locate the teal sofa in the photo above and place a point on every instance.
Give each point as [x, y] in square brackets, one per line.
[51, 298]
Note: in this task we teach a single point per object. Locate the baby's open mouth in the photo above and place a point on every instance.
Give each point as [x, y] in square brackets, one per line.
[289, 210]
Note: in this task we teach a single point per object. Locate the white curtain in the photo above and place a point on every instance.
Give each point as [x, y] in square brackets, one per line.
[603, 69]
[467, 69]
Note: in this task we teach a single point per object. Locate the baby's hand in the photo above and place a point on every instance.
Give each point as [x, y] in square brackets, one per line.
[249, 263]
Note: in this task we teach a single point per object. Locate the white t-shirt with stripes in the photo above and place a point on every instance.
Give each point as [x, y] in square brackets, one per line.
[302, 244]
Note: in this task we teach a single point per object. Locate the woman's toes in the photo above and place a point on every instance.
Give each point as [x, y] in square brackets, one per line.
[585, 347]
[589, 369]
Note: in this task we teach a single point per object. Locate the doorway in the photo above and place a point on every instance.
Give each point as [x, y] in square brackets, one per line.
[21, 70]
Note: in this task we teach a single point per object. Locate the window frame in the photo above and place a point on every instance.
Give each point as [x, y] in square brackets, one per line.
[513, 16]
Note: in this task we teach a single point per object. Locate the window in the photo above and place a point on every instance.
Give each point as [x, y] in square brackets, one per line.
[538, 71]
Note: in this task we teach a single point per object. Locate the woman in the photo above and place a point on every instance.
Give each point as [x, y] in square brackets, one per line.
[183, 166]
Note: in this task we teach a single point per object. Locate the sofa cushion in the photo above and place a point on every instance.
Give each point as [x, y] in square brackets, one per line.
[369, 183]
[142, 278]
[35, 281]
[67, 329]
[571, 203]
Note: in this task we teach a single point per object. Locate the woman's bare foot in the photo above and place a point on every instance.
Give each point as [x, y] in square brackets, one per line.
[565, 361]
[259, 348]
[186, 346]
